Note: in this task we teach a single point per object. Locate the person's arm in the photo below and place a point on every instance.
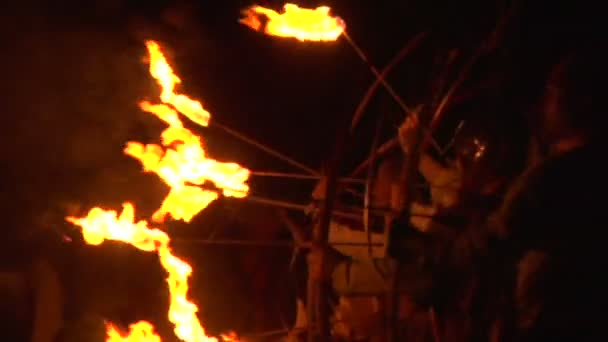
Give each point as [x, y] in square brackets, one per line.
[430, 168]
[424, 219]
[445, 182]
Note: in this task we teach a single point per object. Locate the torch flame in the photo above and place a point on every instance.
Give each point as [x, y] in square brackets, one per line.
[163, 73]
[100, 225]
[302, 24]
[182, 163]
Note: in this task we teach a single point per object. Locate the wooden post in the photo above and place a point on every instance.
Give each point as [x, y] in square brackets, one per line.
[318, 290]
[406, 194]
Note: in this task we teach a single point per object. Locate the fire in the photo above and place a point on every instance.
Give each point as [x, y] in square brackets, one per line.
[181, 161]
[301, 23]
[163, 73]
[138, 332]
[100, 225]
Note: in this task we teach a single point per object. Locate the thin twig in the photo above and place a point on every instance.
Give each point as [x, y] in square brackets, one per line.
[264, 148]
[376, 73]
[297, 232]
[298, 207]
[369, 94]
[382, 150]
[276, 203]
[447, 147]
[238, 243]
[354, 213]
[487, 45]
[267, 333]
[301, 176]
[265, 244]
[381, 79]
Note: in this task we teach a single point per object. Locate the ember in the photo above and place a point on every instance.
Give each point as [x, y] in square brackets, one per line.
[301, 23]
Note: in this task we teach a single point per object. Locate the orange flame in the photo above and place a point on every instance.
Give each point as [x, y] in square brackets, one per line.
[163, 73]
[182, 162]
[301, 23]
[138, 332]
[100, 225]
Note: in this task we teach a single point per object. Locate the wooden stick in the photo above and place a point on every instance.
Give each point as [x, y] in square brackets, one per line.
[258, 243]
[382, 150]
[264, 148]
[301, 176]
[380, 77]
[434, 324]
[298, 207]
[297, 232]
[376, 73]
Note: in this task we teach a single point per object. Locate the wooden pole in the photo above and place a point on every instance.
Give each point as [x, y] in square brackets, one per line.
[317, 290]
[264, 148]
[302, 176]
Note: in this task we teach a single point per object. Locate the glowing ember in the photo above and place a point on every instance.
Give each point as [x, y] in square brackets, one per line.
[301, 23]
[182, 162]
[230, 337]
[100, 225]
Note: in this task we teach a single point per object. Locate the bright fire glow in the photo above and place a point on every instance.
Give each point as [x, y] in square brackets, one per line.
[138, 332]
[181, 162]
[100, 225]
[301, 23]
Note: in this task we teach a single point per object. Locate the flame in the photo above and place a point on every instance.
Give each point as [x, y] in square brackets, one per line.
[230, 337]
[163, 73]
[181, 161]
[100, 225]
[138, 332]
[301, 23]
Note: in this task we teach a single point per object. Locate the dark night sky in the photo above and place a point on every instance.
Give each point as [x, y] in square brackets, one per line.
[73, 73]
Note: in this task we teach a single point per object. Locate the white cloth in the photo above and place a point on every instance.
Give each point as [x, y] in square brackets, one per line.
[342, 233]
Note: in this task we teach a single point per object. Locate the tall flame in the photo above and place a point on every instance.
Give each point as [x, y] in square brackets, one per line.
[302, 24]
[100, 225]
[181, 161]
